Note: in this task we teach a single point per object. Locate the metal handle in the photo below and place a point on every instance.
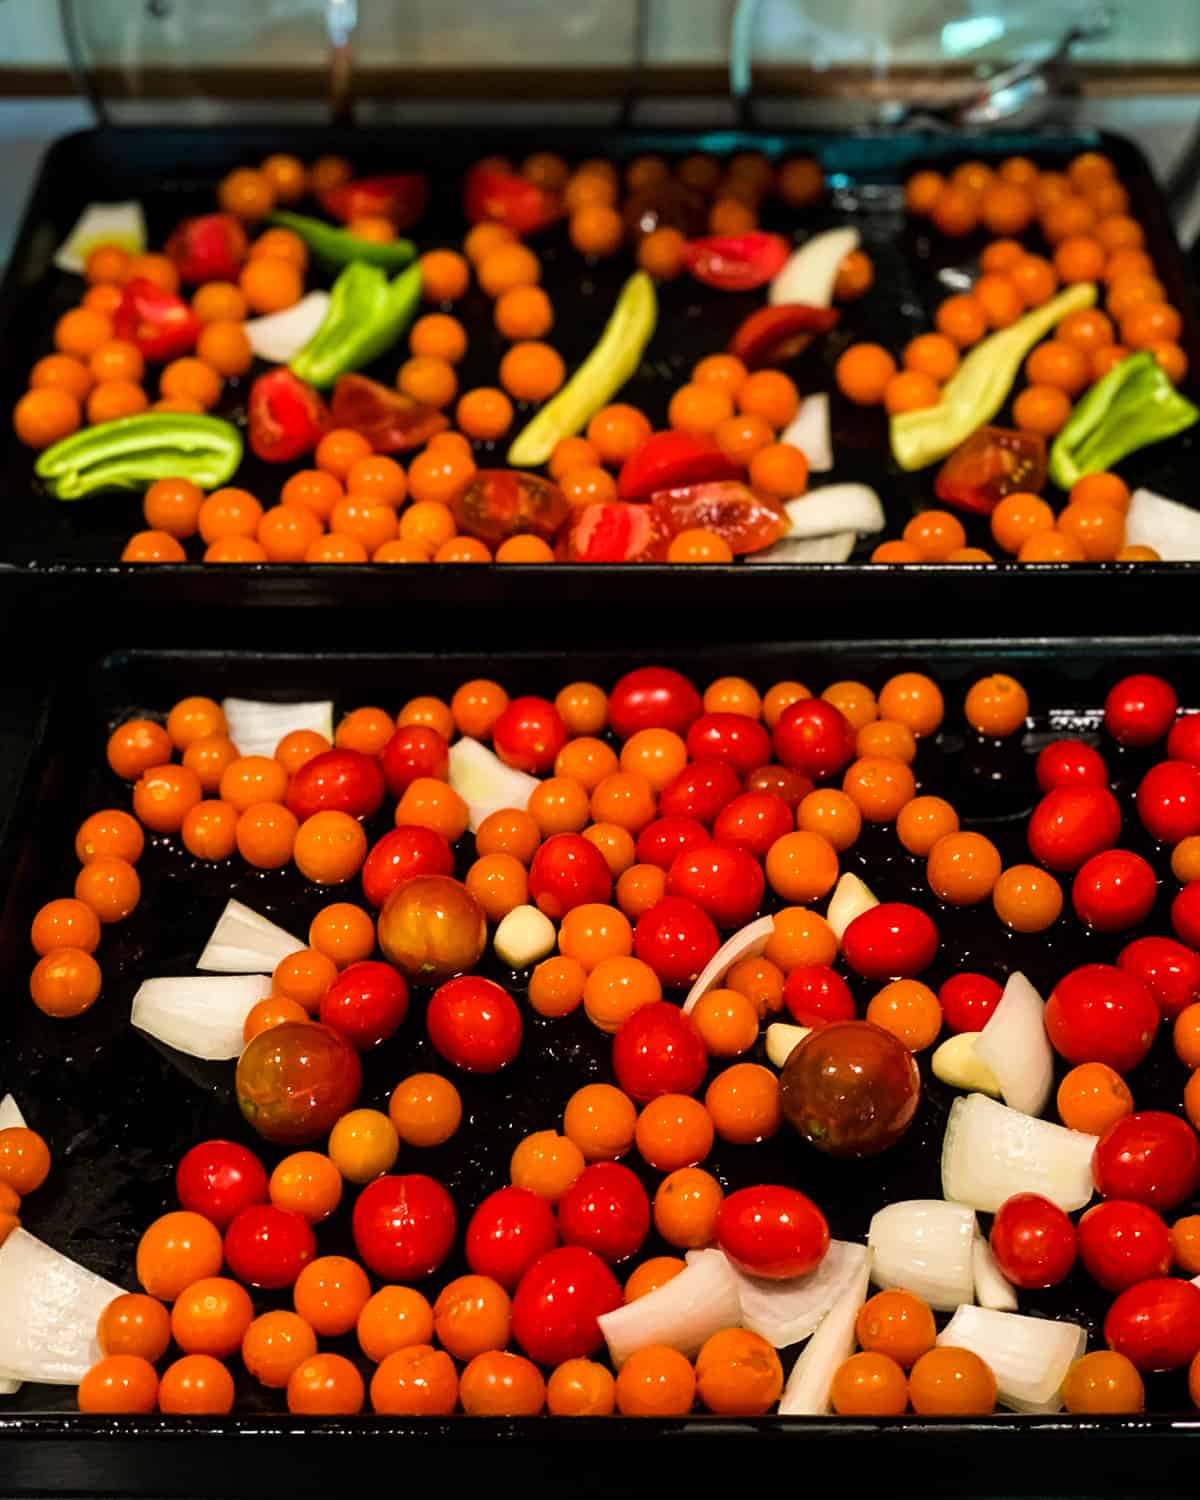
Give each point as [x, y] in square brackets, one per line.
[341, 18]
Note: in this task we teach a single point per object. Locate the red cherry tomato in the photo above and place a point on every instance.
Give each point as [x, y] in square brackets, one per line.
[218, 1179]
[1148, 1157]
[1033, 1241]
[662, 841]
[816, 995]
[700, 791]
[782, 782]
[1099, 1013]
[1185, 914]
[1071, 823]
[676, 938]
[1156, 1324]
[474, 1024]
[1113, 890]
[402, 854]
[366, 1003]
[529, 734]
[814, 737]
[1122, 1243]
[509, 1230]
[890, 941]
[737, 739]
[726, 883]
[605, 1209]
[1070, 763]
[414, 750]
[404, 1226]
[968, 1000]
[568, 871]
[1183, 742]
[652, 698]
[209, 248]
[268, 1247]
[1169, 971]
[753, 822]
[557, 1302]
[658, 1050]
[1140, 709]
[773, 1232]
[1168, 801]
[341, 780]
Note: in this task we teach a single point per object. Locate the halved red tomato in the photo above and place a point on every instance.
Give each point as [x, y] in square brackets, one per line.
[670, 460]
[499, 503]
[508, 199]
[389, 420]
[614, 532]
[736, 262]
[747, 521]
[992, 463]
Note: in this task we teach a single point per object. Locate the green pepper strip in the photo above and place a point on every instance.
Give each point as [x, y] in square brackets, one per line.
[135, 451]
[977, 390]
[1134, 405]
[338, 247]
[366, 315]
[598, 378]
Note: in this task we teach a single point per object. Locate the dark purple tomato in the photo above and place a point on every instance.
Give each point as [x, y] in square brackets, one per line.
[509, 1230]
[475, 1024]
[366, 1003]
[415, 750]
[753, 822]
[337, 780]
[402, 854]
[658, 1050]
[529, 734]
[404, 1226]
[294, 1081]
[1148, 1157]
[814, 737]
[850, 1089]
[968, 1000]
[699, 791]
[1114, 890]
[890, 941]
[606, 1210]
[1099, 1013]
[1168, 800]
[771, 1231]
[1071, 823]
[568, 871]
[1033, 1241]
[660, 842]
[1122, 1243]
[1070, 763]
[1169, 970]
[728, 884]
[676, 938]
[817, 995]
[737, 739]
[499, 503]
[268, 1247]
[652, 698]
[218, 1179]
[1140, 709]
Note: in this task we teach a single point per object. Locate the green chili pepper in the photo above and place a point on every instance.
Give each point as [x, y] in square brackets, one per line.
[977, 390]
[338, 247]
[598, 378]
[134, 451]
[1134, 405]
[367, 314]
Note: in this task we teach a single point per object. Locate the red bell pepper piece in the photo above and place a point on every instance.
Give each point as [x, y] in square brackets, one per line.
[748, 522]
[400, 197]
[287, 417]
[210, 248]
[736, 262]
[161, 324]
[508, 199]
[613, 532]
[773, 334]
[670, 460]
[992, 463]
[389, 420]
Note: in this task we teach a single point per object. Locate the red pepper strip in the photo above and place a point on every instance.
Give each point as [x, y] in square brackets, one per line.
[507, 199]
[210, 248]
[287, 417]
[161, 324]
[389, 420]
[672, 460]
[613, 532]
[992, 463]
[401, 198]
[738, 262]
[774, 334]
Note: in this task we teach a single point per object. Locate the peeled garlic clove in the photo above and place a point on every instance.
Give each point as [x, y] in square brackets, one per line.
[781, 1039]
[851, 897]
[957, 1063]
[525, 936]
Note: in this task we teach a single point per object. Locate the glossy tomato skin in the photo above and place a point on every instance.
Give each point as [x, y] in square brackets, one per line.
[1122, 1243]
[557, 1302]
[726, 883]
[1071, 823]
[652, 698]
[529, 734]
[817, 995]
[414, 750]
[568, 871]
[1168, 800]
[1099, 1013]
[676, 938]
[1114, 890]
[1183, 742]
[890, 941]
[404, 1226]
[499, 503]
[1148, 1157]
[606, 1210]
[1070, 763]
[660, 842]
[1156, 1323]
[509, 1230]
[850, 1089]
[701, 790]
[1140, 709]
[658, 1050]
[218, 1179]
[474, 1024]
[296, 1080]
[753, 822]
[737, 739]
[1033, 1241]
[342, 780]
[968, 1001]
[402, 854]
[773, 1232]
[1185, 914]
[268, 1247]
[366, 1003]
[814, 737]
[431, 928]
[1169, 970]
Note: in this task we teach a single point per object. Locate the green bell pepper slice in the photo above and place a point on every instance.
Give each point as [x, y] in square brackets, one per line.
[367, 314]
[978, 388]
[132, 452]
[338, 247]
[602, 374]
[1134, 405]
